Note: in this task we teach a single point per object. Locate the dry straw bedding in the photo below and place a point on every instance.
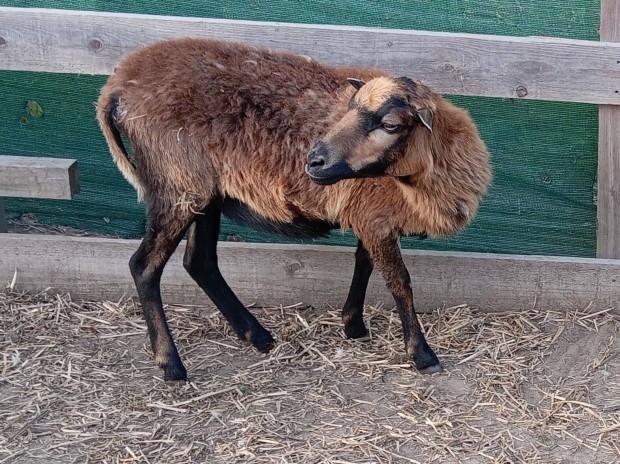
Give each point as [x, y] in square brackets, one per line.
[77, 384]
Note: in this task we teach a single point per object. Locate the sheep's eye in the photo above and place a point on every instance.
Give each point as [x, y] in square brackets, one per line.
[389, 128]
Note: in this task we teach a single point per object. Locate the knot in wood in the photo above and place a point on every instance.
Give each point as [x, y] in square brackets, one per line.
[448, 67]
[521, 91]
[95, 44]
[292, 268]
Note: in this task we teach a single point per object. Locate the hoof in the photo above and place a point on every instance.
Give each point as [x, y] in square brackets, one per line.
[431, 369]
[426, 360]
[355, 329]
[175, 372]
[262, 340]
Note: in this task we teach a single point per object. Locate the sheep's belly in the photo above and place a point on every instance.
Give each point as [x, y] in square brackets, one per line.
[299, 227]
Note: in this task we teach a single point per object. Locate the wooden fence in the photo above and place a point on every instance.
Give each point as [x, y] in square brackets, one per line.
[541, 68]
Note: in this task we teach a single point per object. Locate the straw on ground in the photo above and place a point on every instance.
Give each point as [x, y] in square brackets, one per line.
[77, 384]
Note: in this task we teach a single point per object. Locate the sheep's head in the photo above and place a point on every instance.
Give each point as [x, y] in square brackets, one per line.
[377, 136]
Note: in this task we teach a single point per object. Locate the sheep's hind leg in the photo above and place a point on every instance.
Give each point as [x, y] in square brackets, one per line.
[200, 261]
[353, 309]
[386, 256]
[164, 232]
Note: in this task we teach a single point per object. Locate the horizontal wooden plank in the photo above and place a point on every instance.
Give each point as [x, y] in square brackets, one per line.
[37, 177]
[273, 274]
[530, 67]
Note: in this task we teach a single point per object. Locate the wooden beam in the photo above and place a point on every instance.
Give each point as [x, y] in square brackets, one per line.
[274, 274]
[35, 177]
[608, 191]
[67, 41]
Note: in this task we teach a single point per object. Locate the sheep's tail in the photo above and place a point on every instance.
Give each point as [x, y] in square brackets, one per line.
[106, 116]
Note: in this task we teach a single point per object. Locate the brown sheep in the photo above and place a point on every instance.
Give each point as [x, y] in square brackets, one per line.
[284, 144]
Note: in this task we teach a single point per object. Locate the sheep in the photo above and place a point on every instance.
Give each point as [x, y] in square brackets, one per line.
[286, 145]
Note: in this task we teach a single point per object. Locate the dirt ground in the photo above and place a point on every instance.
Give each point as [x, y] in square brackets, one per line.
[77, 384]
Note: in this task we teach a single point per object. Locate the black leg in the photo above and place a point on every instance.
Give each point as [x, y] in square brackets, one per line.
[386, 256]
[164, 233]
[200, 261]
[353, 309]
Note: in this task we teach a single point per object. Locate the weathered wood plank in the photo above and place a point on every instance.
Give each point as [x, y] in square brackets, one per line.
[608, 205]
[608, 188]
[3, 223]
[272, 274]
[36, 177]
[483, 65]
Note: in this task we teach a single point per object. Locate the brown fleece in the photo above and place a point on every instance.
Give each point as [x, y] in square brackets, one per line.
[207, 117]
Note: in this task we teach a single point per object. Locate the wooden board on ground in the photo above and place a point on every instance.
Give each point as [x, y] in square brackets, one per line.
[274, 274]
[37, 177]
[467, 64]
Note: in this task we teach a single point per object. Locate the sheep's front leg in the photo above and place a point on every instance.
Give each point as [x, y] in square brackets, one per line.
[387, 258]
[353, 309]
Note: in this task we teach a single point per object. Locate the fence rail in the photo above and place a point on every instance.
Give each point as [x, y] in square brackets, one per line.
[66, 41]
[275, 274]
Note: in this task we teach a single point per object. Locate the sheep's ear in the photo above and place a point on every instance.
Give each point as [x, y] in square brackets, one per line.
[425, 116]
[357, 83]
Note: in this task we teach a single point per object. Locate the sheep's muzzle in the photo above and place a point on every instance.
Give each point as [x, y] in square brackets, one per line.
[324, 168]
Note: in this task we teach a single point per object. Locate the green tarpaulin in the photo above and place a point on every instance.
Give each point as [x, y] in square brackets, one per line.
[543, 200]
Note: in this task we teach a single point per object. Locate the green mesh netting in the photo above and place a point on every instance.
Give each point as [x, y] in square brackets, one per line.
[544, 154]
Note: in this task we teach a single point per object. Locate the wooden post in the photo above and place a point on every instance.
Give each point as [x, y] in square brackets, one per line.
[608, 196]
[3, 225]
